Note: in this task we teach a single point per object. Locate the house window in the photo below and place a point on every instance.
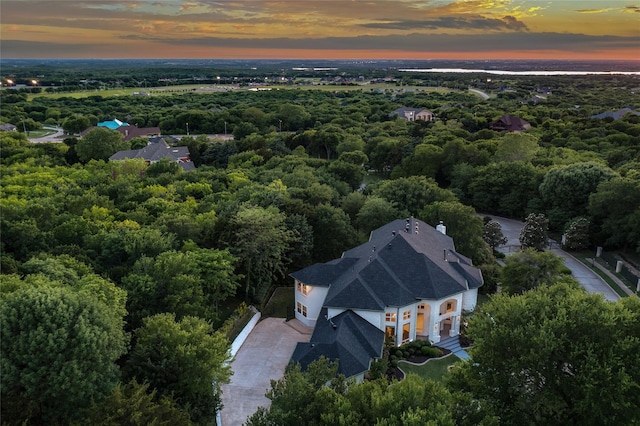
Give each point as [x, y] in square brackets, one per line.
[390, 317]
[390, 333]
[304, 289]
[406, 333]
[449, 307]
[302, 309]
[406, 315]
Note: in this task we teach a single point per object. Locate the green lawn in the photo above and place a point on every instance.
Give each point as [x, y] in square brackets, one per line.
[280, 304]
[583, 256]
[34, 134]
[126, 91]
[206, 88]
[433, 369]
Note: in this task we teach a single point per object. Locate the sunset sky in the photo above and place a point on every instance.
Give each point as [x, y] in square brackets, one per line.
[429, 29]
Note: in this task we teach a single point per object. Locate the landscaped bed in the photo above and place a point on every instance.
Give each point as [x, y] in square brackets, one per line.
[434, 368]
[416, 352]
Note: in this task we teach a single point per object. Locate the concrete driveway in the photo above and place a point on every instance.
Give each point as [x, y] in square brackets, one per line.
[591, 281]
[262, 358]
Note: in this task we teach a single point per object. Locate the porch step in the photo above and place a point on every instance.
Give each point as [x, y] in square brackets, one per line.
[451, 343]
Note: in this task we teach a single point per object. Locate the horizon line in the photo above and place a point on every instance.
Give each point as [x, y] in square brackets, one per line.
[322, 59]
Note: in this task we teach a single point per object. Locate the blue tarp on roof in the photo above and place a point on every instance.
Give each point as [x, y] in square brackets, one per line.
[113, 124]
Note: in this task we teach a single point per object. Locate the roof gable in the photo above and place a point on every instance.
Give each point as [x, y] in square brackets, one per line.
[323, 274]
[155, 152]
[346, 338]
[130, 132]
[510, 123]
[403, 261]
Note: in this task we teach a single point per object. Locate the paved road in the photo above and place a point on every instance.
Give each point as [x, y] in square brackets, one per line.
[591, 281]
[56, 137]
[480, 93]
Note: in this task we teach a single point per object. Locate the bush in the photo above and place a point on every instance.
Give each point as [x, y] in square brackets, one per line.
[394, 363]
[416, 344]
[431, 352]
[378, 368]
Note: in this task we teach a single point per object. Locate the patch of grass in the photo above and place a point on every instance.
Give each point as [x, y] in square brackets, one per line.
[208, 88]
[583, 258]
[433, 369]
[281, 303]
[125, 91]
[35, 134]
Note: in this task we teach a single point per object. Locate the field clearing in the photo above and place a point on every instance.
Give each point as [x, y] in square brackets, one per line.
[199, 88]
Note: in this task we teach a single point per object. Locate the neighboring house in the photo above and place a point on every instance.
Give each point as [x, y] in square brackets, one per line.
[413, 114]
[129, 132]
[8, 127]
[112, 124]
[407, 282]
[616, 115]
[535, 99]
[156, 151]
[510, 123]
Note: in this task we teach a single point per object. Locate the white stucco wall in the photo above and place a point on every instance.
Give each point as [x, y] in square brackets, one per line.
[239, 340]
[469, 299]
[376, 318]
[313, 300]
[332, 312]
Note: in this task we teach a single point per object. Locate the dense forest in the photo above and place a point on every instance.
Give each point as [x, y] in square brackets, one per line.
[117, 277]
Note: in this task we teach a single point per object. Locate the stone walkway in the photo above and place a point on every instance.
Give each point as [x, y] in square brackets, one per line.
[453, 344]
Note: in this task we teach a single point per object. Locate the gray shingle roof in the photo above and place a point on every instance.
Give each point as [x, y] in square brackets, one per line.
[157, 151]
[510, 123]
[394, 268]
[353, 342]
[323, 274]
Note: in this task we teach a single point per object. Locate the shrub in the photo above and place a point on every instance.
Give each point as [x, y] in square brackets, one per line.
[431, 351]
[378, 368]
[416, 344]
[394, 363]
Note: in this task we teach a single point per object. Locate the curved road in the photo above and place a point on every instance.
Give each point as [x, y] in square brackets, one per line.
[56, 137]
[591, 281]
[480, 93]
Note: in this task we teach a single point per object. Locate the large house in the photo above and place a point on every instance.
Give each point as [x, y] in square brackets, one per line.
[407, 282]
[510, 123]
[128, 132]
[413, 114]
[157, 150]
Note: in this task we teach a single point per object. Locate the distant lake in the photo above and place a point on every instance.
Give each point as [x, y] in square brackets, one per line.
[501, 72]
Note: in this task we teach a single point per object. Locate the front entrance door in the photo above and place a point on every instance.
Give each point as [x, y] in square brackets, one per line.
[420, 323]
